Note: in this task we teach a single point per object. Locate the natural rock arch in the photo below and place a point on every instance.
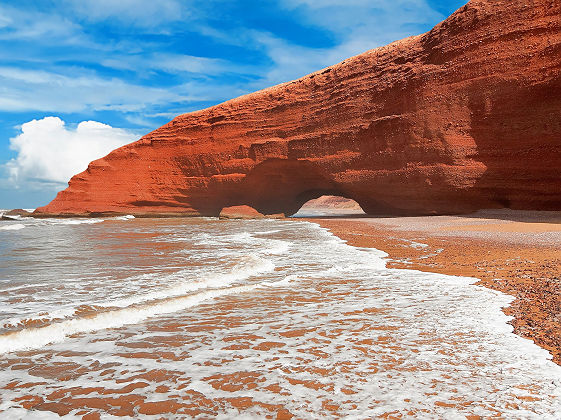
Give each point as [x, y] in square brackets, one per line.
[284, 185]
[277, 186]
[463, 117]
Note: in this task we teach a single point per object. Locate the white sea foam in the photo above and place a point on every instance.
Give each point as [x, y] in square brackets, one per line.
[183, 284]
[16, 413]
[75, 221]
[23, 286]
[12, 216]
[35, 338]
[418, 245]
[281, 283]
[17, 226]
[262, 245]
[239, 238]
[248, 267]
[57, 314]
[267, 232]
[275, 246]
[125, 217]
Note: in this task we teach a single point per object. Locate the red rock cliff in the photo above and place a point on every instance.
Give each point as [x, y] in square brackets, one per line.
[465, 116]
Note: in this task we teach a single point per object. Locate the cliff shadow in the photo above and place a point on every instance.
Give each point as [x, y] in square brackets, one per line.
[523, 216]
[517, 131]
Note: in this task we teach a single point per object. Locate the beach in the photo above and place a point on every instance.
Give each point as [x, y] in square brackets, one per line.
[209, 318]
[280, 210]
[515, 252]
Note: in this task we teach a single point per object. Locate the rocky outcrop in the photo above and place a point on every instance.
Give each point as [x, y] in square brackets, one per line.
[463, 117]
[240, 212]
[15, 214]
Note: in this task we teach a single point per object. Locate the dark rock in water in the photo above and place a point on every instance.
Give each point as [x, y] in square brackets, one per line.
[463, 117]
[15, 214]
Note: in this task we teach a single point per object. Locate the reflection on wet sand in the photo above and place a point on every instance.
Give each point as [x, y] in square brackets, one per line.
[297, 323]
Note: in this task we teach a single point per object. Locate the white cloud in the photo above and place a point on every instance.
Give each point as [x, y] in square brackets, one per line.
[187, 63]
[25, 90]
[25, 24]
[356, 25]
[359, 25]
[147, 13]
[4, 21]
[171, 63]
[39, 90]
[50, 152]
[350, 15]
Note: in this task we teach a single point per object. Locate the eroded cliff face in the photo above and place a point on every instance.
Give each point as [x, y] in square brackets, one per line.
[466, 116]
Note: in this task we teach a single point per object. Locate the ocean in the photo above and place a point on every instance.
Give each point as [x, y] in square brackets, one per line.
[208, 318]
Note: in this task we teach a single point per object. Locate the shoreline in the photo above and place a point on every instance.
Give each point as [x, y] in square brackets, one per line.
[514, 252]
[326, 323]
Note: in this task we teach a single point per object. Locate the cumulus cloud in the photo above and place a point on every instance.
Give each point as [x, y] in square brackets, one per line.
[49, 152]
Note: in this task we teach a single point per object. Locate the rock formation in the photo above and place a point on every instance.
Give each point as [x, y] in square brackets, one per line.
[240, 212]
[14, 214]
[463, 117]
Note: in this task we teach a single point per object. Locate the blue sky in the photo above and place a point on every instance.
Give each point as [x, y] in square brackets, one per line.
[78, 78]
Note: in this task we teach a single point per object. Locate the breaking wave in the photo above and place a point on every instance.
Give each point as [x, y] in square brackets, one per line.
[17, 226]
[35, 338]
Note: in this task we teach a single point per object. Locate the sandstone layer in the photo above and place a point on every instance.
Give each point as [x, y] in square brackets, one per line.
[466, 116]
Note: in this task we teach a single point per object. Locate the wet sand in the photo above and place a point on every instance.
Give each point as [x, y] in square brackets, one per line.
[515, 252]
[258, 353]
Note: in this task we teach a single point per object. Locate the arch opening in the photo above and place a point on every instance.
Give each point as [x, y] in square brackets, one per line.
[330, 206]
[282, 186]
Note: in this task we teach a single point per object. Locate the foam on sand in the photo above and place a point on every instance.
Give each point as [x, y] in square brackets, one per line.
[74, 221]
[326, 331]
[35, 338]
[248, 266]
[182, 282]
[125, 217]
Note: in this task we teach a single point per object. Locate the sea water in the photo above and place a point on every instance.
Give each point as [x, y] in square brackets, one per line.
[206, 318]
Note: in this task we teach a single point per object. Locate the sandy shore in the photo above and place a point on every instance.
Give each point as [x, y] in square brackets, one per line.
[516, 252]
